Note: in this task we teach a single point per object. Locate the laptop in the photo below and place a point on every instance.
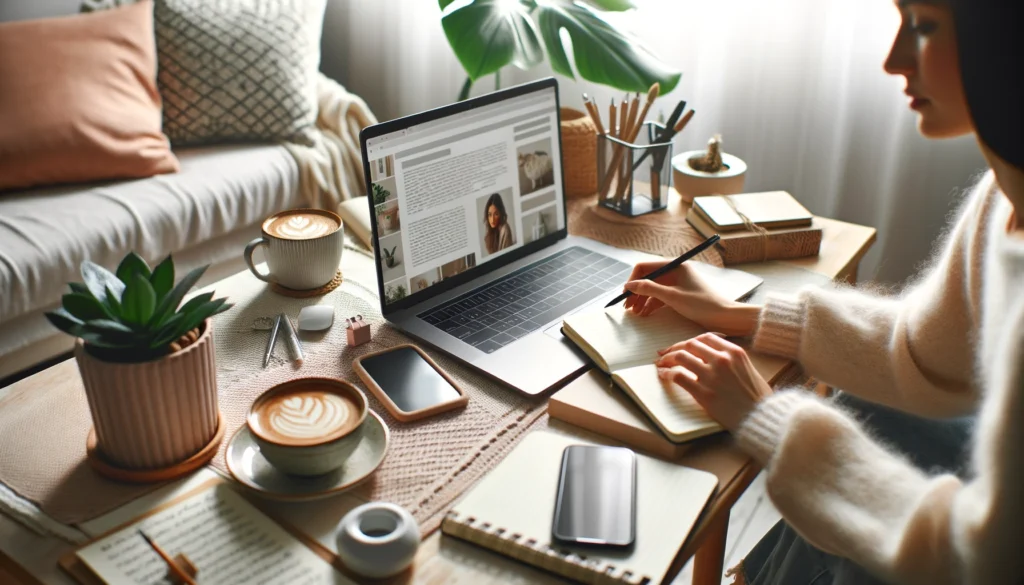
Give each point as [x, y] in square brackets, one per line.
[468, 213]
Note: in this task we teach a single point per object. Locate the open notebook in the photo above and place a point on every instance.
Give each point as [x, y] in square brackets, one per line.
[626, 346]
[223, 535]
[511, 510]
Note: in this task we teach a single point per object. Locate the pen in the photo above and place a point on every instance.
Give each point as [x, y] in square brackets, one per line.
[271, 341]
[667, 133]
[293, 339]
[181, 575]
[670, 266]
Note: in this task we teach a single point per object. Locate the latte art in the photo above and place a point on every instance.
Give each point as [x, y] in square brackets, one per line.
[309, 414]
[302, 226]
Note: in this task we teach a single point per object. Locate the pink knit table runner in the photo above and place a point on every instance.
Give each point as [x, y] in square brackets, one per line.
[429, 463]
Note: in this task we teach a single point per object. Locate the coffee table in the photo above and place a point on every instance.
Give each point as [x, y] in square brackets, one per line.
[30, 558]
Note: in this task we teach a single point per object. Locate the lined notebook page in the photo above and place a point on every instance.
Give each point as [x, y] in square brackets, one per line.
[229, 540]
[673, 409]
[623, 339]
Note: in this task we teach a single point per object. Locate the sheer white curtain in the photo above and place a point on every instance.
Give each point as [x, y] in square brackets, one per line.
[795, 87]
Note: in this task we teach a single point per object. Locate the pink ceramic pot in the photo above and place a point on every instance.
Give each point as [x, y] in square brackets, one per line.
[154, 414]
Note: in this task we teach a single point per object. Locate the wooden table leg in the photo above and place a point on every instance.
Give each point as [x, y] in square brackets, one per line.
[710, 558]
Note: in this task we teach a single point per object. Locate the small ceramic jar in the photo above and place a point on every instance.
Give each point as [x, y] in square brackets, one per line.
[378, 539]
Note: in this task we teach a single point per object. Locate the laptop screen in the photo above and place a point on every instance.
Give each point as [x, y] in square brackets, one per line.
[460, 192]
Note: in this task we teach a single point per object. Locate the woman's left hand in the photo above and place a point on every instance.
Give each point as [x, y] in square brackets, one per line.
[719, 375]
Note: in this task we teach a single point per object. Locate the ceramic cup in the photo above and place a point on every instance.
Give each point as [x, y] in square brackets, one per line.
[305, 426]
[378, 539]
[302, 247]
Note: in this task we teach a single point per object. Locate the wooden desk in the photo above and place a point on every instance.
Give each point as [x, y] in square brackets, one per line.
[447, 560]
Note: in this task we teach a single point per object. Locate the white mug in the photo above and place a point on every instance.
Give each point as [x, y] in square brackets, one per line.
[302, 247]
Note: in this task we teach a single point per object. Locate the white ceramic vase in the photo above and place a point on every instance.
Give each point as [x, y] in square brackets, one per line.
[378, 539]
[154, 414]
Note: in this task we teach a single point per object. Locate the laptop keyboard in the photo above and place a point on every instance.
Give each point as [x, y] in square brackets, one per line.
[517, 304]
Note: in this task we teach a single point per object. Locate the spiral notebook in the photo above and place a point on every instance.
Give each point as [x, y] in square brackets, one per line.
[511, 510]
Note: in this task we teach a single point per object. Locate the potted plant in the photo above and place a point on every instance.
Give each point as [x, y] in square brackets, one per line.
[487, 35]
[708, 172]
[146, 360]
[394, 293]
[389, 256]
[387, 209]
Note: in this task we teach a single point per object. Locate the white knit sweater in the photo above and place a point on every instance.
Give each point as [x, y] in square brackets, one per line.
[952, 345]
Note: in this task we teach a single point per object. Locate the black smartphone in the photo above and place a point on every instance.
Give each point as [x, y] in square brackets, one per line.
[596, 500]
[408, 383]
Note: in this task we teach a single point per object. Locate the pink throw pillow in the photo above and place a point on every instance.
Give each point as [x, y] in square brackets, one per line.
[78, 99]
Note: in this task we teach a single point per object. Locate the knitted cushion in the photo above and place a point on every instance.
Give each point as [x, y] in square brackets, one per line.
[236, 70]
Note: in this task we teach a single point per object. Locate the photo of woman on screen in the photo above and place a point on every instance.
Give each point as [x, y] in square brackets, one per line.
[499, 234]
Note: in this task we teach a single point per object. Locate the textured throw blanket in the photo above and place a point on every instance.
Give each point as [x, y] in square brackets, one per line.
[331, 171]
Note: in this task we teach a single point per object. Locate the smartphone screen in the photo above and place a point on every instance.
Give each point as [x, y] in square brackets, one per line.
[408, 380]
[596, 501]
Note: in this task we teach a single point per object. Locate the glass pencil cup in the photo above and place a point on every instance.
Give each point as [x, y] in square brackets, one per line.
[634, 178]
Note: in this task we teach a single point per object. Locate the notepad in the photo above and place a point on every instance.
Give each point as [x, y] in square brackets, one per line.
[771, 209]
[223, 535]
[511, 510]
[625, 345]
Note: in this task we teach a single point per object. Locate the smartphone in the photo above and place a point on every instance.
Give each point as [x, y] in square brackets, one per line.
[408, 383]
[596, 500]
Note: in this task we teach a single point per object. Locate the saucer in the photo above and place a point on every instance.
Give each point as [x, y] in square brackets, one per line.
[248, 466]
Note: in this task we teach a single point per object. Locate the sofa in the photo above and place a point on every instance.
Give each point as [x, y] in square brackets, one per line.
[203, 214]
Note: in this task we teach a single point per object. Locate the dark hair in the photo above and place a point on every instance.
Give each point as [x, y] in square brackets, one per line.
[990, 43]
[491, 239]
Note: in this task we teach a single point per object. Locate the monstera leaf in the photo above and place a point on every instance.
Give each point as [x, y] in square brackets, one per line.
[487, 35]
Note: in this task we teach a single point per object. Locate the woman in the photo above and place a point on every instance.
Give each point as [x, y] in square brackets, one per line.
[499, 234]
[953, 344]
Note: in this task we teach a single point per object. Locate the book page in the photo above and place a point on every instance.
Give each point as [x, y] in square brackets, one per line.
[624, 339]
[225, 537]
[673, 409]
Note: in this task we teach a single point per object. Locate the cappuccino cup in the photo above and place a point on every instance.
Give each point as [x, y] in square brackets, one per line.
[302, 247]
[308, 426]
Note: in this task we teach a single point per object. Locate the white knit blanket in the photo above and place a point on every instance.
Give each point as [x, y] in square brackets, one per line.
[331, 171]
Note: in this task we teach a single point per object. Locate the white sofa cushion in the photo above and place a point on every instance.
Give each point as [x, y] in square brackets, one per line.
[46, 234]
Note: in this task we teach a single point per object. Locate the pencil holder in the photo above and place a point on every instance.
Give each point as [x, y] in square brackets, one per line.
[634, 178]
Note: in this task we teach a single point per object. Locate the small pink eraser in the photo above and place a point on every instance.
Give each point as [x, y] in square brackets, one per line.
[358, 333]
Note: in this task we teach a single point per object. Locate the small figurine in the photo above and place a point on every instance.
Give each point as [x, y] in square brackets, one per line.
[358, 331]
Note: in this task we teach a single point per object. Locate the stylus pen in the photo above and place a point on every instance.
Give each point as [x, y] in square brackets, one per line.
[670, 266]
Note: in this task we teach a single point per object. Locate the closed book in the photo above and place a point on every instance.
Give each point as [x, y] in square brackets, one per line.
[770, 209]
[355, 214]
[625, 345]
[739, 247]
[512, 509]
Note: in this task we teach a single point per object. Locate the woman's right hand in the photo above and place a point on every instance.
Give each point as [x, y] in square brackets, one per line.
[685, 292]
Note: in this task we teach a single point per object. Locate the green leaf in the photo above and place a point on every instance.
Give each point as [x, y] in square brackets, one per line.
[170, 328]
[612, 5]
[490, 34]
[195, 302]
[169, 303]
[603, 54]
[199, 315]
[77, 287]
[99, 280]
[100, 340]
[113, 304]
[444, 3]
[162, 278]
[138, 301]
[85, 306]
[111, 331]
[65, 321]
[131, 265]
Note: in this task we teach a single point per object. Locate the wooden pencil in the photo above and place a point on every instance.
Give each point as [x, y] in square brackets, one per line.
[638, 123]
[611, 118]
[180, 574]
[594, 114]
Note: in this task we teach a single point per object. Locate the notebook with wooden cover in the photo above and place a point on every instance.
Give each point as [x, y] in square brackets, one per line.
[222, 534]
[625, 345]
[771, 209]
[512, 508]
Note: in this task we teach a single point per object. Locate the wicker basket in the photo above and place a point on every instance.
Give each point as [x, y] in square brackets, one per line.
[579, 153]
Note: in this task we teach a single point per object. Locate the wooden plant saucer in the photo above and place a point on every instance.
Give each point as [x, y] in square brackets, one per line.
[182, 468]
[313, 292]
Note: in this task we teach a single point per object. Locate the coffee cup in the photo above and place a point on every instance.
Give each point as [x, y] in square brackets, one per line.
[308, 426]
[302, 247]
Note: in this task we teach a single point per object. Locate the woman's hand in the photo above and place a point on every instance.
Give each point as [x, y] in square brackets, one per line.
[718, 374]
[689, 295]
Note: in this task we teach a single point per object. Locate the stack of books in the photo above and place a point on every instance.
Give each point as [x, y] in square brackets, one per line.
[755, 227]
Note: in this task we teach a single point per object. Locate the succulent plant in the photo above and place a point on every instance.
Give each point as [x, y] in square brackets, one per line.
[710, 161]
[133, 315]
[389, 256]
